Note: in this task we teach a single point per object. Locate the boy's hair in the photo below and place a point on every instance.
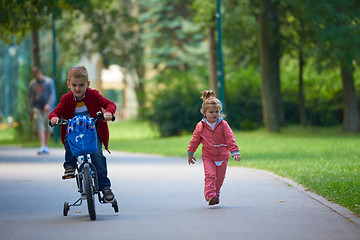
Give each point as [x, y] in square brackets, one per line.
[78, 72]
[209, 100]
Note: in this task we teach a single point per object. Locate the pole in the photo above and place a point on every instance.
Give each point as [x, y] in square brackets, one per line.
[56, 130]
[220, 59]
[7, 88]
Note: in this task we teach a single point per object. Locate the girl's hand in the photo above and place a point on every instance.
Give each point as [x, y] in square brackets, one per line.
[54, 121]
[191, 160]
[107, 116]
[237, 158]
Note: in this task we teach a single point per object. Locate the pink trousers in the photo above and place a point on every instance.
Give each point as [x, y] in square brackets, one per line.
[214, 177]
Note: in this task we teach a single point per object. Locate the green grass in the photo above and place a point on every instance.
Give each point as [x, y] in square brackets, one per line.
[7, 135]
[325, 160]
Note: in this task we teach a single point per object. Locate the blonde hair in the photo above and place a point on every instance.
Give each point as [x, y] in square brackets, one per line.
[78, 72]
[209, 100]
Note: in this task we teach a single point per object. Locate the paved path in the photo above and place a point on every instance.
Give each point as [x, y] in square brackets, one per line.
[161, 198]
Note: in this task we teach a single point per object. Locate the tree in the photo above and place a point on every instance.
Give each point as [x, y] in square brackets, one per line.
[205, 16]
[269, 49]
[297, 38]
[240, 31]
[174, 42]
[18, 18]
[335, 24]
[114, 31]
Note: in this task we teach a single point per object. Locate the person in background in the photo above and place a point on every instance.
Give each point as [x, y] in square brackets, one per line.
[41, 101]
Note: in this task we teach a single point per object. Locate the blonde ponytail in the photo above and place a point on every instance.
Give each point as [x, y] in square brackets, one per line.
[206, 94]
[209, 100]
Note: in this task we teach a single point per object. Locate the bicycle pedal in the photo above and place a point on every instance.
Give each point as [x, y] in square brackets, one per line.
[68, 177]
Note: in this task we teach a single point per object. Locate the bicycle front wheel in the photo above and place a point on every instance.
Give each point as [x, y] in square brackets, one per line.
[89, 191]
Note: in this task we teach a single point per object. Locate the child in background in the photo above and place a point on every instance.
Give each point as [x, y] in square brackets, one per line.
[82, 100]
[217, 140]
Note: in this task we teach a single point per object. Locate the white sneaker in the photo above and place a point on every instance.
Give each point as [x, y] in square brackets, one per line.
[43, 150]
[46, 150]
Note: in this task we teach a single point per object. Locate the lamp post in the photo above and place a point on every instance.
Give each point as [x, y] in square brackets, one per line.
[8, 55]
[220, 59]
[56, 131]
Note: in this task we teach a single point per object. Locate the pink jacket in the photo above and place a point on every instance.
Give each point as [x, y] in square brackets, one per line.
[216, 143]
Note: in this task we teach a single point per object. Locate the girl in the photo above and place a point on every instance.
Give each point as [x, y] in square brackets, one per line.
[217, 139]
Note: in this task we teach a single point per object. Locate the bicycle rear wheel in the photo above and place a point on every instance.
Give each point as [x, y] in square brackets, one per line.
[89, 191]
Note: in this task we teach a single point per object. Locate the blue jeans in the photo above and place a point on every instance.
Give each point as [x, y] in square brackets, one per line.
[97, 159]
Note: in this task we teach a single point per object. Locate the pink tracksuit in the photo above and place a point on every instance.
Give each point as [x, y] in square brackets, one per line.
[216, 145]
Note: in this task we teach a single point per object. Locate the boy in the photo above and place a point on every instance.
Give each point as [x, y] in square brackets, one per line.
[82, 100]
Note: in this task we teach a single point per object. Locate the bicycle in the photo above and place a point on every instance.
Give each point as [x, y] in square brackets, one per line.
[82, 144]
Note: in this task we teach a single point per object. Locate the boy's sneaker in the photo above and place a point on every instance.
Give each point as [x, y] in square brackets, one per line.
[69, 172]
[108, 195]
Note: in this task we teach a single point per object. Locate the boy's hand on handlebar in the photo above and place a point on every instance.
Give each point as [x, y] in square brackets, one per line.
[107, 116]
[54, 121]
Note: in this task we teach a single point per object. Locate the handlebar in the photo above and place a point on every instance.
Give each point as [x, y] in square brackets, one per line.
[99, 116]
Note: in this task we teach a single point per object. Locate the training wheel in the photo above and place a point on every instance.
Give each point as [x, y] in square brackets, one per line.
[66, 208]
[115, 205]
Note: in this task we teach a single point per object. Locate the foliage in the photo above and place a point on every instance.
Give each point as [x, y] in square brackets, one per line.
[173, 40]
[176, 107]
[109, 30]
[323, 99]
[243, 100]
[24, 130]
[8, 75]
[332, 19]
[204, 12]
[168, 37]
[17, 18]
[240, 32]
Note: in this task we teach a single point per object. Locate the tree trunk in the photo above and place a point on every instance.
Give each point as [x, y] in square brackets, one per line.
[212, 63]
[273, 113]
[351, 112]
[139, 64]
[277, 89]
[139, 86]
[35, 47]
[302, 112]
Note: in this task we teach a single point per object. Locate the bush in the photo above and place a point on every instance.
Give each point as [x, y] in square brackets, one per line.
[243, 100]
[176, 111]
[175, 108]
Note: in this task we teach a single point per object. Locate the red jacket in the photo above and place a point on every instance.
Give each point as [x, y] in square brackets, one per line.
[216, 143]
[94, 102]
